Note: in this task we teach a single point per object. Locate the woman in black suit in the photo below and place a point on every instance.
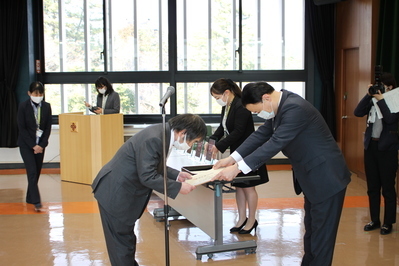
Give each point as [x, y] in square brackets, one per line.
[34, 124]
[236, 125]
[108, 100]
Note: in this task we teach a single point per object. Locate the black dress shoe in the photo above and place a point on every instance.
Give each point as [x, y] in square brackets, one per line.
[386, 229]
[237, 229]
[372, 226]
[38, 206]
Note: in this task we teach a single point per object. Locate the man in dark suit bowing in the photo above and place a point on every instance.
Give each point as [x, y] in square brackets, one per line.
[296, 128]
[124, 185]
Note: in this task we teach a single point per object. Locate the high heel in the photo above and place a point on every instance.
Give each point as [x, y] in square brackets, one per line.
[242, 231]
[238, 229]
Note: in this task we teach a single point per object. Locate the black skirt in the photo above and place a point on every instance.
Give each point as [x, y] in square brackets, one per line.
[264, 178]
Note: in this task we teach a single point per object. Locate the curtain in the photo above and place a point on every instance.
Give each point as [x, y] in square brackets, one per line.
[388, 37]
[321, 24]
[12, 21]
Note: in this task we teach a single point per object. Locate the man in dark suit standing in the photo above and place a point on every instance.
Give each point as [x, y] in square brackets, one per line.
[124, 185]
[296, 128]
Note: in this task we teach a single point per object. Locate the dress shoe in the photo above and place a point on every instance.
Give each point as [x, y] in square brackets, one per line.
[38, 206]
[372, 226]
[237, 229]
[242, 231]
[386, 229]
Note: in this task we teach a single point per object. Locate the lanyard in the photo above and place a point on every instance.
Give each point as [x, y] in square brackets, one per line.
[226, 112]
[104, 102]
[37, 112]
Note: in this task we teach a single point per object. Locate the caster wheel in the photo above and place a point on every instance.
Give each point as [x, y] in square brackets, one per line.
[210, 255]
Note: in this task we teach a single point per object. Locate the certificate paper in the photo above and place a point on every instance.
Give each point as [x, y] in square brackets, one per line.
[392, 100]
[201, 177]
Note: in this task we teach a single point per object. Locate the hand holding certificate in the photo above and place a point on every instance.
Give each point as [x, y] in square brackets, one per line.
[202, 177]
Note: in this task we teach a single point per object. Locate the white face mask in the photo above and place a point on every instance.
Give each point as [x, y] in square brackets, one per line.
[266, 115]
[181, 146]
[102, 91]
[37, 100]
[220, 101]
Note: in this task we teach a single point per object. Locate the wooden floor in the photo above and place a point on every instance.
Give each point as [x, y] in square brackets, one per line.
[68, 231]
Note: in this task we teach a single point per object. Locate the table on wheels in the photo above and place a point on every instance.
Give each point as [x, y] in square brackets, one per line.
[207, 213]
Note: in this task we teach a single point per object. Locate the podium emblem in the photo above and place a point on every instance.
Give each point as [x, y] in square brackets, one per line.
[74, 127]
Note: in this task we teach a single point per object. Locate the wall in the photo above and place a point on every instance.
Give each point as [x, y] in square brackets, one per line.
[355, 56]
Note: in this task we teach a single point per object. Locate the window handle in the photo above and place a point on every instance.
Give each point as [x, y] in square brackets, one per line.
[237, 51]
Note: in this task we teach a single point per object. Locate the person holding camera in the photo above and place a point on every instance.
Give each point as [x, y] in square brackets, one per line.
[380, 152]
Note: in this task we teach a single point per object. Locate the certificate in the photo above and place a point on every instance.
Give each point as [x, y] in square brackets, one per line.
[202, 177]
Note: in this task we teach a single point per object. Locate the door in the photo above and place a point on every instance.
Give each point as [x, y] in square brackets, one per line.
[352, 126]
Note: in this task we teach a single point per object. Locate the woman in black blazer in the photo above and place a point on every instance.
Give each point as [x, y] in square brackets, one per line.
[34, 124]
[108, 100]
[236, 125]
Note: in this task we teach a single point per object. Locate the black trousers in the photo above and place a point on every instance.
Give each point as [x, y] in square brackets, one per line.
[33, 165]
[120, 240]
[321, 225]
[381, 167]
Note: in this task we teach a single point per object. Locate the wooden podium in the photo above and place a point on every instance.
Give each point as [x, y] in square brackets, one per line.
[87, 142]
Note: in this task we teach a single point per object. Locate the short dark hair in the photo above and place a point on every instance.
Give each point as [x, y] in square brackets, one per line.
[253, 92]
[193, 124]
[222, 85]
[102, 81]
[36, 86]
[388, 79]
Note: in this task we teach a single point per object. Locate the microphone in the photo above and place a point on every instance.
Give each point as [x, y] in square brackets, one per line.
[168, 93]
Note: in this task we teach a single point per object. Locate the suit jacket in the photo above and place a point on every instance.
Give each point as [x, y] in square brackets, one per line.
[300, 132]
[389, 135]
[27, 124]
[124, 185]
[112, 105]
[239, 124]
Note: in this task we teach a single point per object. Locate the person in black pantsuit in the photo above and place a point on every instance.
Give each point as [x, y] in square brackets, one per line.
[380, 155]
[235, 126]
[34, 124]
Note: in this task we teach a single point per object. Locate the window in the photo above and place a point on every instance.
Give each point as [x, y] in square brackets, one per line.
[272, 38]
[128, 42]
[74, 96]
[273, 34]
[73, 33]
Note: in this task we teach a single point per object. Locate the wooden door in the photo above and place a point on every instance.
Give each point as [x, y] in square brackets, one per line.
[352, 126]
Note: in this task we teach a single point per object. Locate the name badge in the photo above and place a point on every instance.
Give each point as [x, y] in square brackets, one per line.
[39, 133]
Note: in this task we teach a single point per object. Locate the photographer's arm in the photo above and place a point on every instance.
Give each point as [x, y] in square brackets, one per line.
[364, 105]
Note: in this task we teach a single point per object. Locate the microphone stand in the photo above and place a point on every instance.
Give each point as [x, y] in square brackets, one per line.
[165, 187]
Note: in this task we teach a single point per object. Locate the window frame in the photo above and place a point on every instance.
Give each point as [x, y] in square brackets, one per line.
[174, 76]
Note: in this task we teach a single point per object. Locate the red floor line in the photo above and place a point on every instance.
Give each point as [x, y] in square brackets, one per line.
[15, 208]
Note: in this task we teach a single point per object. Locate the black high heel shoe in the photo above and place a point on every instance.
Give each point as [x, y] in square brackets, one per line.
[242, 231]
[238, 229]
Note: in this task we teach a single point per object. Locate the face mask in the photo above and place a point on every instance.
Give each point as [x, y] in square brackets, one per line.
[181, 146]
[221, 102]
[36, 99]
[266, 115]
[102, 91]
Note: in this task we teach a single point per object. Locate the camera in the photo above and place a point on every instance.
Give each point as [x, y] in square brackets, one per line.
[378, 86]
